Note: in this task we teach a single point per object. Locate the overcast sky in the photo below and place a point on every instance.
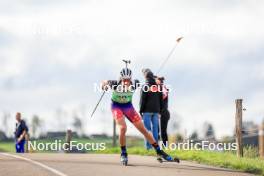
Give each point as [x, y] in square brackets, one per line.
[53, 51]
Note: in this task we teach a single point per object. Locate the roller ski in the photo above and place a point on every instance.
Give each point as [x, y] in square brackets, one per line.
[124, 159]
[164, 157]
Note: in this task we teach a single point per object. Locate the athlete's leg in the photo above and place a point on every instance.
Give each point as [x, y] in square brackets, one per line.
[140, 126]
[135, 118]
[121, 123]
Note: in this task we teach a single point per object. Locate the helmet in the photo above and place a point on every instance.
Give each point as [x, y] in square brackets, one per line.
[126, 73]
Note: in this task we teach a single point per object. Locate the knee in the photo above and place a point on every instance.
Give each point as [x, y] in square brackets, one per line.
[123, 129]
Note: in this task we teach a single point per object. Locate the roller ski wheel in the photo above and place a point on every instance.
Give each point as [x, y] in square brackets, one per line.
[164, 157]
[159, 159]
[124, 160]
[177, 160]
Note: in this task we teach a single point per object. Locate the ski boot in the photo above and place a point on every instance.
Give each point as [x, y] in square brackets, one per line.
[124, 159]
[162, 156]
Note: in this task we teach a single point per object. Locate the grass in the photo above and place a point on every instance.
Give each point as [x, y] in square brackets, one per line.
[219, 159]
[7, 147]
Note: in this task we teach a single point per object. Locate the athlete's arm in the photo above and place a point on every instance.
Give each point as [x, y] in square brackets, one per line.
[104, 85]
[109, 84]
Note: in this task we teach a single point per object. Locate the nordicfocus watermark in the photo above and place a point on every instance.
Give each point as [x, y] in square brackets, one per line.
[131, 88]
[201, 145]
[59, 145]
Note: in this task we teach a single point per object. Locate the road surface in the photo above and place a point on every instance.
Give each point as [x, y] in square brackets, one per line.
[100, 165]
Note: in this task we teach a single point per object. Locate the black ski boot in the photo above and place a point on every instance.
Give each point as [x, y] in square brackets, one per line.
[161, 155]
[124, 159]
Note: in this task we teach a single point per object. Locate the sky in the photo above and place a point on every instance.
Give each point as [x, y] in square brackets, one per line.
[52, 52]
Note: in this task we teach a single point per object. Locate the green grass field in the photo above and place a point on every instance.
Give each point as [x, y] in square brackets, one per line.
[7, 147]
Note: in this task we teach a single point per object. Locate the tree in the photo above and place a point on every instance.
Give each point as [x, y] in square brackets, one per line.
[6, 117]
[175, 122]
[77, 124]
[179, 137]
[35, 124]
[194, 136]
[2, 136]
[208, 131]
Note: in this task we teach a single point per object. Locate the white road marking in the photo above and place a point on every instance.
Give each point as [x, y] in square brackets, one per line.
[36, 163]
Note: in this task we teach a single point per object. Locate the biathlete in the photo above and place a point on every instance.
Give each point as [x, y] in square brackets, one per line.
[122, 92]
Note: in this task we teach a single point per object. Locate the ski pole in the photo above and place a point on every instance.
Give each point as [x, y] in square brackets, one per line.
[127, 62]
[98, 103]
[169, 55]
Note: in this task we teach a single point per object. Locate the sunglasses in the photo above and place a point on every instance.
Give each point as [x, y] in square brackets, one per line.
[126, 80]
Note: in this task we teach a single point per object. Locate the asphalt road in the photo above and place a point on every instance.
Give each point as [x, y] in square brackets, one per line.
[100, 165]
